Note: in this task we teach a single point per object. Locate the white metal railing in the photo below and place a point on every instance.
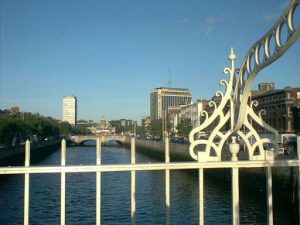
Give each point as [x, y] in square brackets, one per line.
[133, 167]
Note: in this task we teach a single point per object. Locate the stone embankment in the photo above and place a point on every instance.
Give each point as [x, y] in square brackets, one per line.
[285, 178]
[9, 155]
[178, 152]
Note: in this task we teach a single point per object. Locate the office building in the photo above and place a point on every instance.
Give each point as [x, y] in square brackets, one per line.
[162, 98]
[282, 108]
[146, 122]
[70, 109]
[123, 123]
[193, 110]
[266, 86]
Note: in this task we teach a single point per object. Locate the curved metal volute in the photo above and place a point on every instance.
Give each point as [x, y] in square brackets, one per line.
[254, 62]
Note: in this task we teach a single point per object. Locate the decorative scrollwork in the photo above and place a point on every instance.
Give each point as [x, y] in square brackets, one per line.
[262, 112]
[220, 94]
[235, 110]
[217, 113]
[227, 70]
[204, 114]
[260, 56]
[224, 83]
[253, 104]
[216, 140]
[212, 104]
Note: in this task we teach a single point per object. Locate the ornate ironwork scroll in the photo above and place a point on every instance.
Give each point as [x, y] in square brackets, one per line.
[260, 56]
[235, 114]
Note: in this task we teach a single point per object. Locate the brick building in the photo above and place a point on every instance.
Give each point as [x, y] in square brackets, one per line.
[282, 108]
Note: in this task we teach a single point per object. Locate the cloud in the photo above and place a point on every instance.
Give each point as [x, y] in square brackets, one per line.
[209, 29]
[271, 16]
[183, 21]
[212, 20]
[284, 5]
[276, 13]
[211, 23]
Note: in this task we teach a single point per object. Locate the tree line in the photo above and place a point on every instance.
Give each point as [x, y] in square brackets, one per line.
[17, 127]
[184, 127]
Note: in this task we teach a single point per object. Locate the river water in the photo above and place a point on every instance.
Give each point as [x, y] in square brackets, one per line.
[150, 200]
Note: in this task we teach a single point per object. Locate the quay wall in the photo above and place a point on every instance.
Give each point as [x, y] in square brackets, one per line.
[9, 155]
[284, 178]
[156, 149]
[178, 152]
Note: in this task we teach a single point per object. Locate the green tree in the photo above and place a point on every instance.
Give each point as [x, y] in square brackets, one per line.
[156, 127]
[15, 128]
[12, 128]
[80, 130]
[65, 128]
[184, 127]
[141, 130]
[120, 128]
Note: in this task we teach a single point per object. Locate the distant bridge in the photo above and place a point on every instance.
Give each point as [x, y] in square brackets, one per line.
[151, 148]
[80, 139]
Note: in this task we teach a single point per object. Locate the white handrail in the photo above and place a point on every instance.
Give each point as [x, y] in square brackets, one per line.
[148, 166]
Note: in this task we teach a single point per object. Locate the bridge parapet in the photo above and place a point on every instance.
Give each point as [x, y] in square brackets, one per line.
[80, 139]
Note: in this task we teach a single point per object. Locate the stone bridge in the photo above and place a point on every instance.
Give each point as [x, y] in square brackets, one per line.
[80, 139]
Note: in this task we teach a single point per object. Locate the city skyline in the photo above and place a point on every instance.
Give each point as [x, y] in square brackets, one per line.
[110, 55]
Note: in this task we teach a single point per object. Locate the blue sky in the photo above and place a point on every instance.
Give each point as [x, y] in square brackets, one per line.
[111, 54]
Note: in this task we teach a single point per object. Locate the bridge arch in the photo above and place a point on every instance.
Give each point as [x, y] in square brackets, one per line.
[80, 139]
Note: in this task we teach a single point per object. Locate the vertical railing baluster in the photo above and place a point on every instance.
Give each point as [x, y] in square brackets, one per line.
[167, 180]
[234, 149]
[98, 181]
[235, 196]
[269, 196]
[63, 185]
[133, 177]
[298, 153]
[26, 184]
[201, 193]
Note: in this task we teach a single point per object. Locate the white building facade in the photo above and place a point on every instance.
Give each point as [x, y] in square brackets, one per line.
[192, 112]
[70, 109]
[162, 98]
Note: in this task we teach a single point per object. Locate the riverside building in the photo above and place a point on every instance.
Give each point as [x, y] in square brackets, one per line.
[70, 109]
[193, 111]
[282, 107]
[162, 98]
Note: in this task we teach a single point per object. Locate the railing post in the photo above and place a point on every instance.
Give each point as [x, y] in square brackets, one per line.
[98, 183]
[235, 197]
[269, 195]
[26, 184]
[133, 204]
[234, 149]
[167, 180]
[298, 154]
[201, 193]
[63, 185]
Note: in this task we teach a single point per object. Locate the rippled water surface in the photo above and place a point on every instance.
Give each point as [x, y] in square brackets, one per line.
[81, 203]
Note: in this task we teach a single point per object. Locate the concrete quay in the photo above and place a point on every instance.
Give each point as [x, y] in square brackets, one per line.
[284, 178]
[9, 155]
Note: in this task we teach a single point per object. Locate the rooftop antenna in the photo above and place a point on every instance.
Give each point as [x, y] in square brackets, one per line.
[169, 78]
